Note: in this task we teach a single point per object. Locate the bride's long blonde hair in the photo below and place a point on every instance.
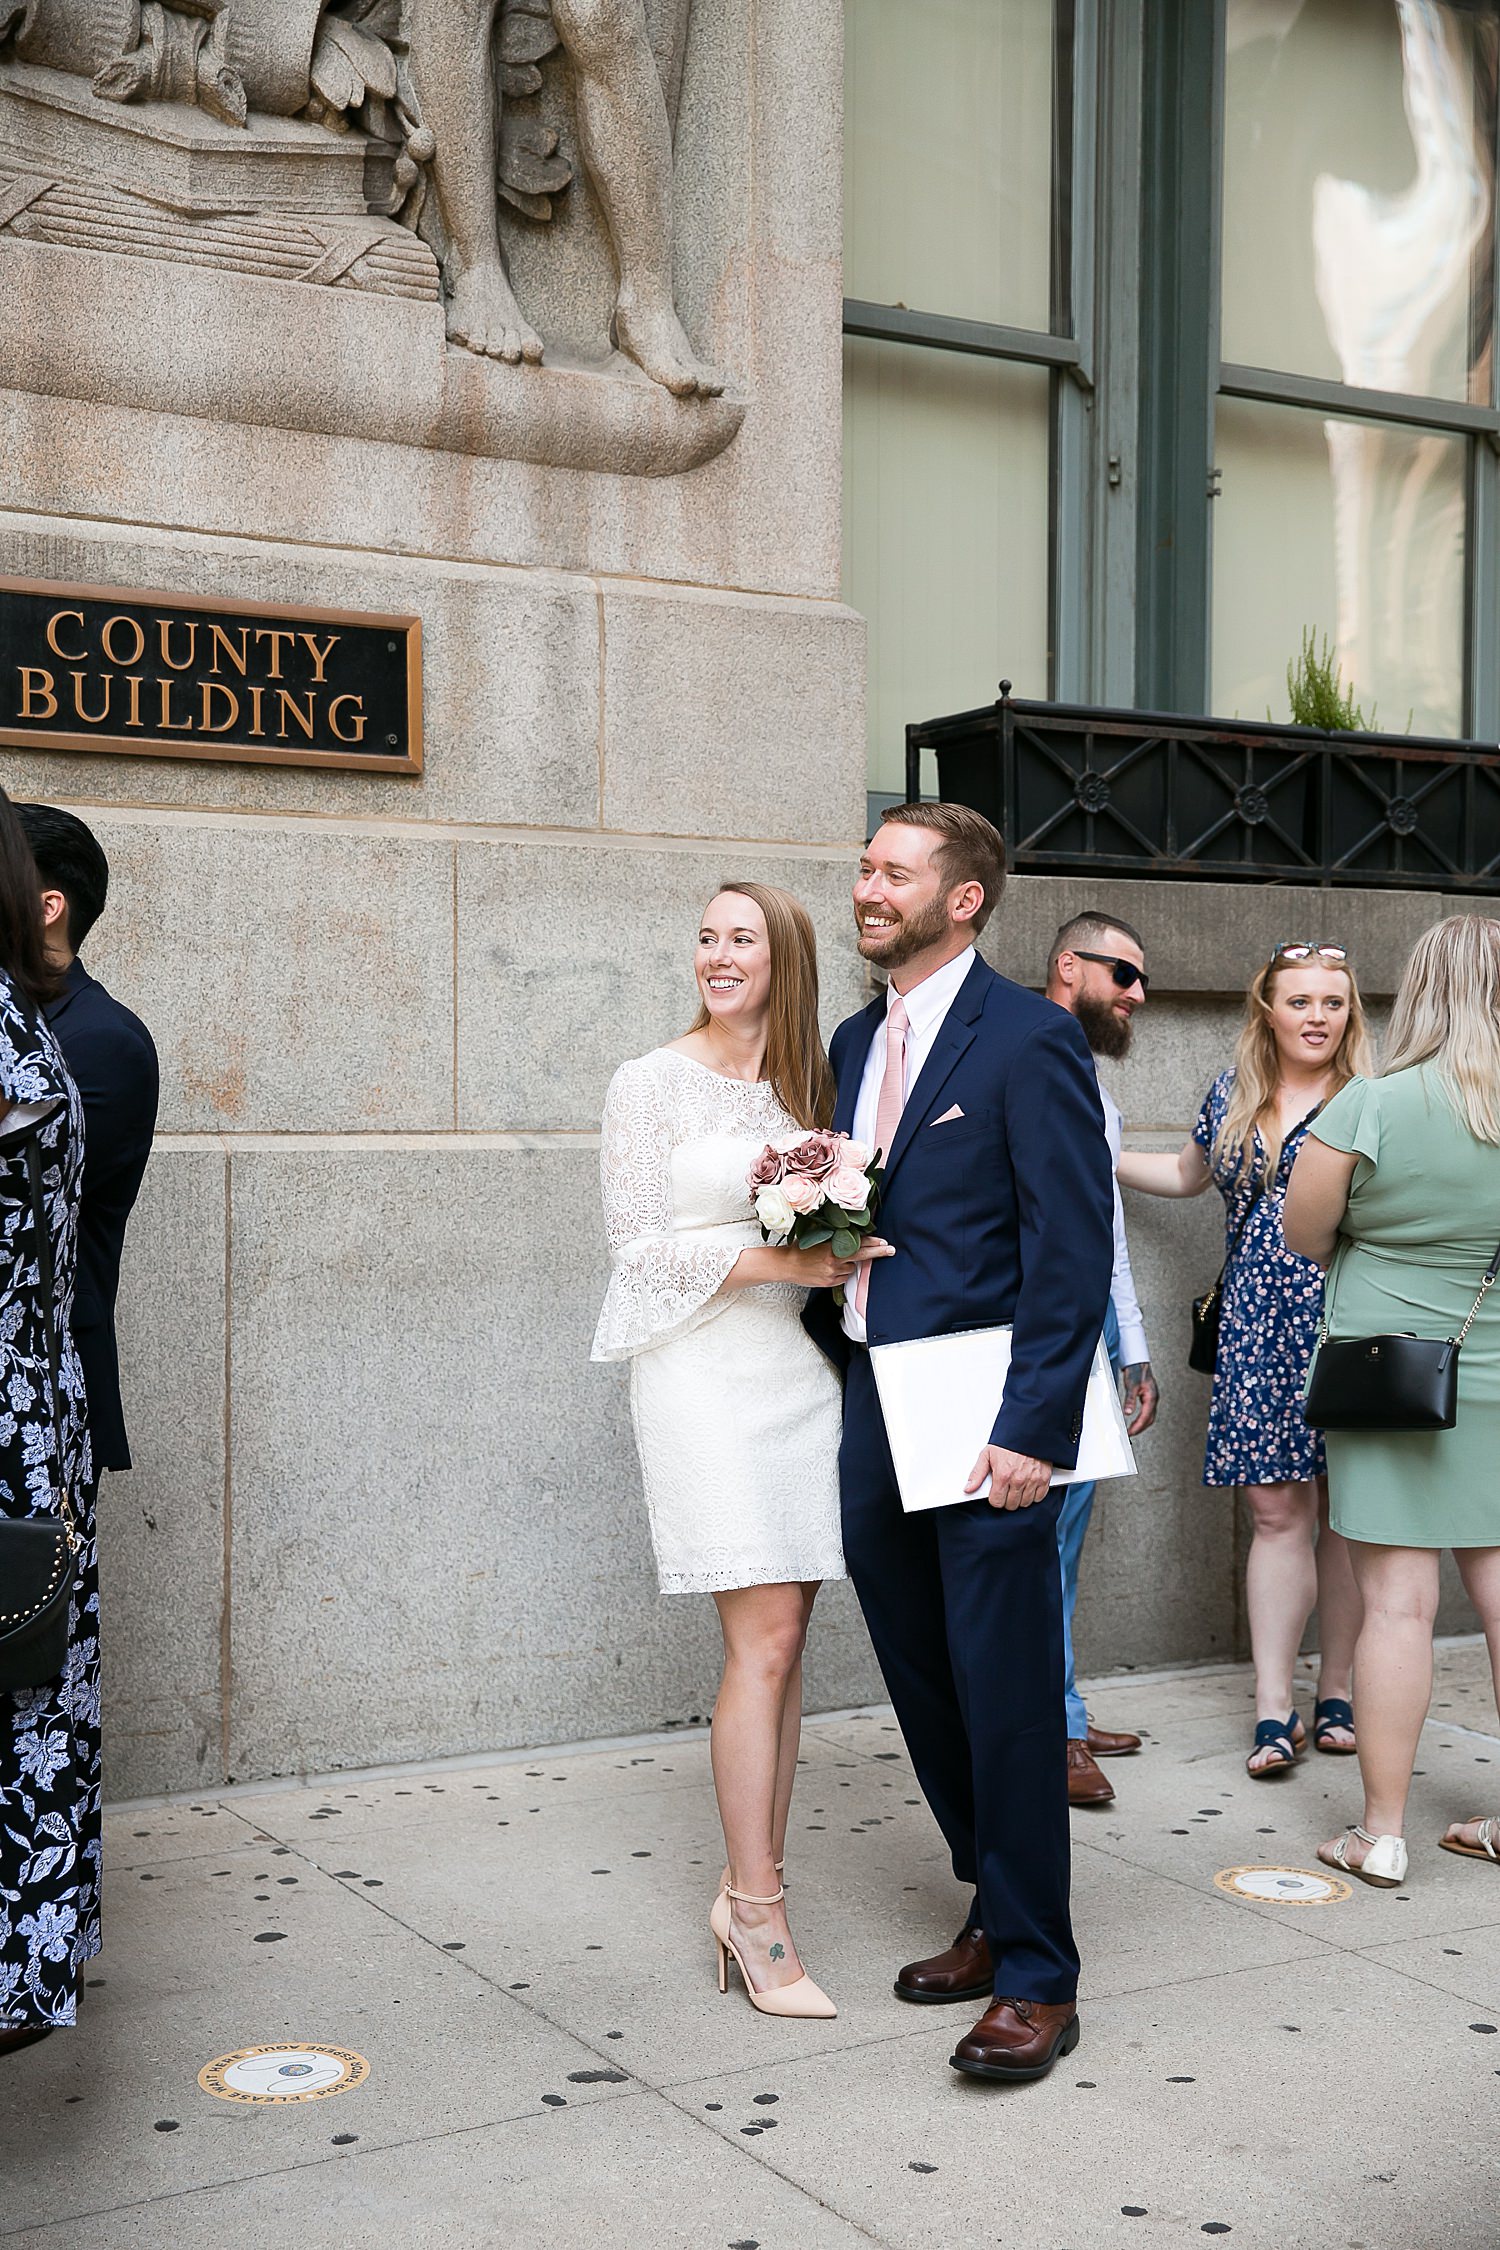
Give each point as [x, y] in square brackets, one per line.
[1448, 1013]
[796, 1062]
[1253, 1101]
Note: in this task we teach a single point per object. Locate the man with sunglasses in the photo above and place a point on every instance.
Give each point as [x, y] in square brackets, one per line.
[1097, 972]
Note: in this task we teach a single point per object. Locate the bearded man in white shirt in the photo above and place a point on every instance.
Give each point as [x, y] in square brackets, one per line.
[1097, 971]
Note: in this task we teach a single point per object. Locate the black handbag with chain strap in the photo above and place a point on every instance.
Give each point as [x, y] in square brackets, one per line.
[1203, 1345]
[1390, 1382]
[38, 1554]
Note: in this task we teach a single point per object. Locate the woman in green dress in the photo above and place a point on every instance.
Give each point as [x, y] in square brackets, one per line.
[1397, 1190]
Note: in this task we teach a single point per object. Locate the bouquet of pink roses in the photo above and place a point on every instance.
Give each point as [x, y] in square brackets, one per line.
[824, 1190]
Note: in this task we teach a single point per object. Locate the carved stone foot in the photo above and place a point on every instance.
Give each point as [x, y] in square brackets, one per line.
[649, 330]
[483, 313]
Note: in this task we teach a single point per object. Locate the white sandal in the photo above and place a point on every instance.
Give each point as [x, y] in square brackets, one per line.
[1488, 1846]
[1384, 1864]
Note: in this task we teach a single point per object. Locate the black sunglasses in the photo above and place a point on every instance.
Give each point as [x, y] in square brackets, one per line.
[1125, 973]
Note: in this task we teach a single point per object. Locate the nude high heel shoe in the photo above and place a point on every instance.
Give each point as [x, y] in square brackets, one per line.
[804, 1998]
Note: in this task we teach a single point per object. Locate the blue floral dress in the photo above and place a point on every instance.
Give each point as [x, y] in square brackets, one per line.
[1268, 1322]
[50, 1849]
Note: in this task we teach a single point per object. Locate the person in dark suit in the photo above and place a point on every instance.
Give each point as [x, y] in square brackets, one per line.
[997, 1201]
[112, 1059]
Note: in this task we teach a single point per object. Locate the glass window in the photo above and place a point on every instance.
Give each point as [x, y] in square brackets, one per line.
[945, 532]
[948, 157]
[1349, 529]
[1359, 185]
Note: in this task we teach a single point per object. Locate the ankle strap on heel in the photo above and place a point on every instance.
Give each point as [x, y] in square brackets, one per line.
[751, 1898]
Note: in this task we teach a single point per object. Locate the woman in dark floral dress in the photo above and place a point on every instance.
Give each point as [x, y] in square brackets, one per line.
[49, 1736]
[1303, 1038]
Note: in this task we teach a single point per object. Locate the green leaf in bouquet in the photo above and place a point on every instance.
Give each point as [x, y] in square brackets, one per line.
[814, 1238]
[845, 1243]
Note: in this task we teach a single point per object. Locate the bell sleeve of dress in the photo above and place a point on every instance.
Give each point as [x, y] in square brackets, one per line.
[661, 1284]
[31, 1088]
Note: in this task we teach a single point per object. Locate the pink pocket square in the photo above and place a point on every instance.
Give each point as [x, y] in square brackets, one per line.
[948, 1115]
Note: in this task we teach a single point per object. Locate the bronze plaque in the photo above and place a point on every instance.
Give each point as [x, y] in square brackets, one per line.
[170, 676]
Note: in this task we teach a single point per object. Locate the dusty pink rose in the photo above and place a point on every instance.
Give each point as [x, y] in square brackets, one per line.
[766, 1170]
[848, 1188]
[813, 1158]
[853, 1153]
[803, 1194]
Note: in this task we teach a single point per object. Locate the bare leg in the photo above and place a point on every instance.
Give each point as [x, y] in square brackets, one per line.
[764, 1628]
[791, 1739]
[1281, 1585]
[1479, 1568]
[451, 60]
[1393, 1662]
[1339, 1612]
[626, 139]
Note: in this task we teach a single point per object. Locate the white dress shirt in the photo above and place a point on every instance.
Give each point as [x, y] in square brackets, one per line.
[1133, 1351]
[927, 1006]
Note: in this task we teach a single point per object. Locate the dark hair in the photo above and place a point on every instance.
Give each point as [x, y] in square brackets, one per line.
[972, 849]
[69, 858]
[23, 936]
[1085, 929]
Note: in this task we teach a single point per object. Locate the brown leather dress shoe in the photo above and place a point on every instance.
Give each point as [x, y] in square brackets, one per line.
[964, 1972]
[1086, 1784]
[1018, 2039]
[1103, 1744]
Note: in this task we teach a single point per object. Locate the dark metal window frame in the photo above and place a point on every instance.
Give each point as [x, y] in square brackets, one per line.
[1134, 360]
[1182, 230]
[1065, 349]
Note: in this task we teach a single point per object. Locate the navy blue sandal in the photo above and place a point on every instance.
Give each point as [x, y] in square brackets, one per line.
[1279, 1735]
[1333, 1711]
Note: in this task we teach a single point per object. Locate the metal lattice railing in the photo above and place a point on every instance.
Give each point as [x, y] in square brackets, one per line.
[1143, 793]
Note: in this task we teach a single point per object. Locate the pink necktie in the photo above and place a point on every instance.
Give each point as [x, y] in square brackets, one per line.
[887, 1113]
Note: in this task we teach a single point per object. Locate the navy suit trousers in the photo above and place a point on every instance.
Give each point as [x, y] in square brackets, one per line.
[964, 1607]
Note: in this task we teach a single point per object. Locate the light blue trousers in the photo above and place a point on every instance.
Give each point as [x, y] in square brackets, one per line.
[1072, 1527]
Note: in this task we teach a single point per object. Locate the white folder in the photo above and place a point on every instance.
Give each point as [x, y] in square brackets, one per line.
[940, 1396]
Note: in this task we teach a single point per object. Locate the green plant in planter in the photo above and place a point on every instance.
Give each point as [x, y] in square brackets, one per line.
[1317, 694]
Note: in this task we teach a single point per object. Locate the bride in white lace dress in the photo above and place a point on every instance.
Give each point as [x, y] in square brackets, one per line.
[736, 1411]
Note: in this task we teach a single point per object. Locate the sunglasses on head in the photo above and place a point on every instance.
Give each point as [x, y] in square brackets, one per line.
[1303, 949]
[1125, 973]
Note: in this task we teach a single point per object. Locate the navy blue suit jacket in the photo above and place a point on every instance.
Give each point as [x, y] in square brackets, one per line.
[1002, 1217]
[112, 1060]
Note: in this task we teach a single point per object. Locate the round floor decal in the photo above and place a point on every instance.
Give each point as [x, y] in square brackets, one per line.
[284, 2073]
[1283, 1886]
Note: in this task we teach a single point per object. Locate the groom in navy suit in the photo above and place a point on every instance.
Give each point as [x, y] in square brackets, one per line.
[997, 1201]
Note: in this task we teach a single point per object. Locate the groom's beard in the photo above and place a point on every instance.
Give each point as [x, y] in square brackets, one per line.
[913, 933]
[1105, 1032]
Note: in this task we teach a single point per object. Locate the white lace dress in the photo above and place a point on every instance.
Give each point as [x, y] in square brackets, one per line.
[736, 1411]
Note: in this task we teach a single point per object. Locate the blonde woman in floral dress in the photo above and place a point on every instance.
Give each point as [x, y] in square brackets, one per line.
[1303, 1039]
[736, 1411]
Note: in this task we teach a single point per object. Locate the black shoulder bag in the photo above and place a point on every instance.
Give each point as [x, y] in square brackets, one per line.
[1203, 1346]
[38, 1554]
[1389, 1382]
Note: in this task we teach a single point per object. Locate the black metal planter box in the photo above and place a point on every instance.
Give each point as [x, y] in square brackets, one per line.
[1147, 793]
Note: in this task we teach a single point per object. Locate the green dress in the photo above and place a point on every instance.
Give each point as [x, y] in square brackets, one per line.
[1422, 1223]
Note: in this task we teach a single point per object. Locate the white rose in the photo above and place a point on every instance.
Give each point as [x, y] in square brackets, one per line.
[773, 1211]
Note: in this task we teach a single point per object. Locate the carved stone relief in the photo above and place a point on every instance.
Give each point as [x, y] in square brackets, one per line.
[361, 145]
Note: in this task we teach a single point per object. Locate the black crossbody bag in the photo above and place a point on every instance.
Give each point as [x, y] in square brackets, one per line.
[38, 1554]
[1390, 1382]
[1203, 1344]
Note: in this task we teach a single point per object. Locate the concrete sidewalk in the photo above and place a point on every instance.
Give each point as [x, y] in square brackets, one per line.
[519, 1949]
